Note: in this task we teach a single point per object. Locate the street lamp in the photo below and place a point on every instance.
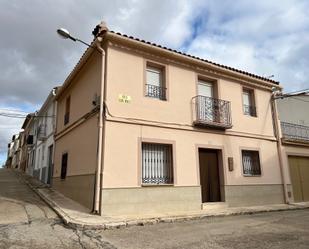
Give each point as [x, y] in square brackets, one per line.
[65, 34]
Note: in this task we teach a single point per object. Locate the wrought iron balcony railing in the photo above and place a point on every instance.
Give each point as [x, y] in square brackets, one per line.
[157, 92]
[212, 112]
[249, 110]
[295, 132]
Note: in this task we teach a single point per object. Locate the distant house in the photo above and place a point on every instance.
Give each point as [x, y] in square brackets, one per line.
[45, 121]
[8, 163]
[31, 142]
[13, 157]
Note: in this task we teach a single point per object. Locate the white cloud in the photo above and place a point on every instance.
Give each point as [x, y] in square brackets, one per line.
[263, 37]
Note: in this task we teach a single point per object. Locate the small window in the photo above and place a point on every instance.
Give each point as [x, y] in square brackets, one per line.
[43, 152]
[249, 102]
[251, 163]
[67, 110]
[155, 85]
[64, 165]
[157, 163]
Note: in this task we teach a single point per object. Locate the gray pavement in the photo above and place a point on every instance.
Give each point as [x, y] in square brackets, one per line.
[27, 222]
[276, 230]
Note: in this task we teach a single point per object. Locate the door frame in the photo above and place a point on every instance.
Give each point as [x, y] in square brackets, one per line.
[50, 157]
[221, 165]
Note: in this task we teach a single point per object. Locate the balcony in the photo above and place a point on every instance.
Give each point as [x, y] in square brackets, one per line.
[211, 112]
[41, 132]
[157, 92]
[294, 132]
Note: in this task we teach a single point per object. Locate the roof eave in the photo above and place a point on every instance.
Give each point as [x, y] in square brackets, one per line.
[112, 36]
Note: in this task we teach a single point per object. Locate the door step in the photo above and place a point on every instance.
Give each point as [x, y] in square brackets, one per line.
[214, 205]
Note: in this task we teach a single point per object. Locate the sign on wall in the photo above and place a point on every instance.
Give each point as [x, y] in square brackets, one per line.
[124, 98]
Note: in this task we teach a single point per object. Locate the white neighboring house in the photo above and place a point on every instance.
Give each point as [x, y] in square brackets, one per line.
[31, 142]
[11, 157]
[15, 151]
[294, 117]
[45, 123]
[294, 109]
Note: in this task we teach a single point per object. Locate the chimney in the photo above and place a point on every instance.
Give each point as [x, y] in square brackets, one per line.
[100, 29]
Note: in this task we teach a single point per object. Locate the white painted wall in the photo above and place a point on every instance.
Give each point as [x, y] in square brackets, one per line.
[294, 110]
[46, 117]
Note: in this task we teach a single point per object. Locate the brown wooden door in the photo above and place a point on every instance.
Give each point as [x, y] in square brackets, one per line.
[299, 173]
[209, 175]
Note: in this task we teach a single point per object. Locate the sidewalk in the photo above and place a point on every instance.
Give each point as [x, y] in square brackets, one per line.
[77, 216]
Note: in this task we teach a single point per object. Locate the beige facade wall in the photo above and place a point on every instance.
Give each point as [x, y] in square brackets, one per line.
[124, 139]
[150, 200]
[84, 86]
[126, 75]
[79, 140]
[79, 188]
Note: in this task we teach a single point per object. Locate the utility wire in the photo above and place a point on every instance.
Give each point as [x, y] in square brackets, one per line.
[13, 110]
[16, 115]
[299, 91]
[300, 99]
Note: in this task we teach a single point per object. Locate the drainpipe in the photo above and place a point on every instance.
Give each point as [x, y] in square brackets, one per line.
[279, 145]
[99, 171]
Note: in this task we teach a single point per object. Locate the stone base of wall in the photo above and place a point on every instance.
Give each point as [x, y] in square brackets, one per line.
[158, 200]
[78, 188]
[150, 200]
[254, 195]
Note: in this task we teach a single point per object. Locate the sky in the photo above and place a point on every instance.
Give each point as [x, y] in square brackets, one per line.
[263, 37]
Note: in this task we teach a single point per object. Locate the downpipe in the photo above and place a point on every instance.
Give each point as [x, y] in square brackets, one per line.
[99, 169]
[279, 146]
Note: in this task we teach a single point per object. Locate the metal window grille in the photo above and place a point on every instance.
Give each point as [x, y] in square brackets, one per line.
[157, 163]
[250, 110]
[157, 92]
[251, 162]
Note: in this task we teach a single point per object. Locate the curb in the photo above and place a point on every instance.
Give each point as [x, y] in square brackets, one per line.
[75, 224]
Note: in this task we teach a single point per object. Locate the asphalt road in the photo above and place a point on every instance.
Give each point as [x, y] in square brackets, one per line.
[26, 222]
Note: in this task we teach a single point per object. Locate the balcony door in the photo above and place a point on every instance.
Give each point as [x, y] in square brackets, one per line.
[207, 107]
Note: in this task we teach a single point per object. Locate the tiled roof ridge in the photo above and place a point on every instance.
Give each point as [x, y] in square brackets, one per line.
[197, 58]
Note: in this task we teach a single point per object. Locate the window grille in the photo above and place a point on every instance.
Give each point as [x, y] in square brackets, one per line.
[251, 163]
[155, 87]
[157, 163]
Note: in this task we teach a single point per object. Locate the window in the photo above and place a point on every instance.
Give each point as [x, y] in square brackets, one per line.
[64, 165]
[251, 163]
[249, 102]
[43, 152]
[67, 110]
[155, 85]
[157, 163]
